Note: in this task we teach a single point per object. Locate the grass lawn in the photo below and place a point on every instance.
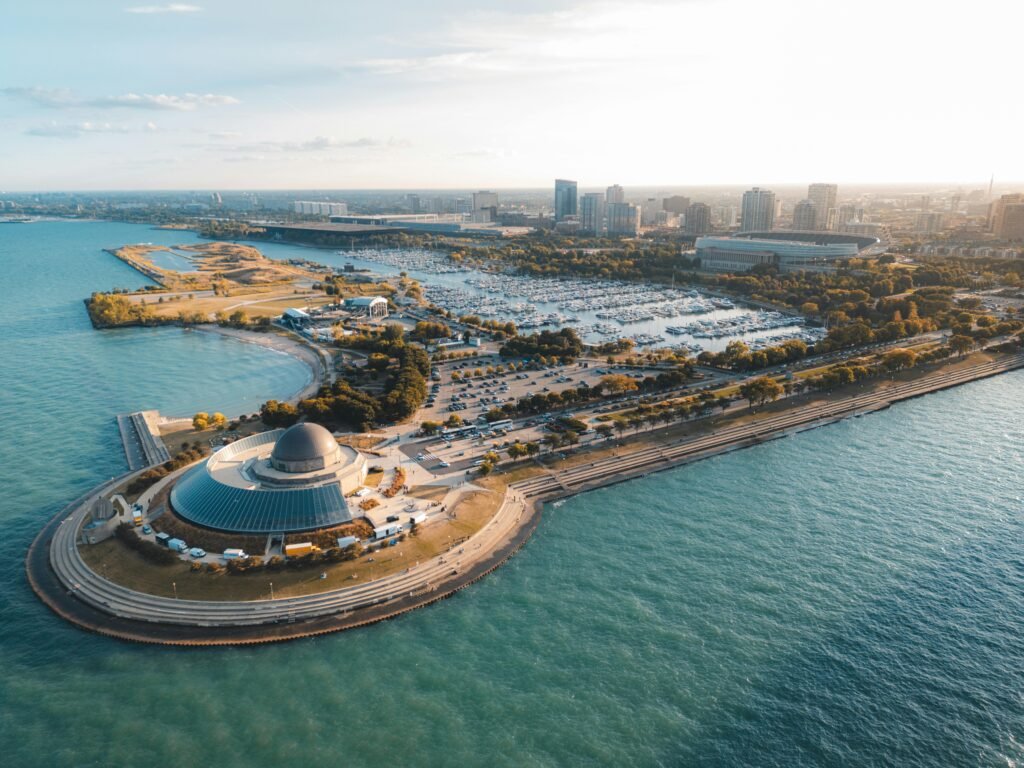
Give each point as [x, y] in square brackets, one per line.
[116, 562]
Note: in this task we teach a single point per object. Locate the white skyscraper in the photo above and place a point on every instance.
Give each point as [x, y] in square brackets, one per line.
[615, 194]
[592, 212]
[824, 198]
[757, 212]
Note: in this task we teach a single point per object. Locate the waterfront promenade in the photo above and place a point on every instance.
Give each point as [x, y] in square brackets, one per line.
[631, 464]
[60, 576]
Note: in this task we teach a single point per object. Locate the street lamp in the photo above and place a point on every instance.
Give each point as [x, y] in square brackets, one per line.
[174, 585]
[271, 590]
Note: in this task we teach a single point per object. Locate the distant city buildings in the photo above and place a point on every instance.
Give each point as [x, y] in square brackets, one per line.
[757, 211]
[615, 194]
[592, 207]
[805, 216]
[698, 219]
[566, 195]
[623, 219]
[824, 198]
[308, 208]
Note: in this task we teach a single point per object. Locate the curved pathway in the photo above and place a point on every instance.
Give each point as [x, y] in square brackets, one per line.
[60, 576]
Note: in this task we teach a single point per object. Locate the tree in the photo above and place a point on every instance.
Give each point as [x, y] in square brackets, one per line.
[218, 420]
[761, 390]
[605, 430]
[621, 425]
[570, 437]
[961, 344]
[201, 421]
[897, 359]
[615, 383]
[532, 449]
[430, 427]
[516, 451]
[275, 414]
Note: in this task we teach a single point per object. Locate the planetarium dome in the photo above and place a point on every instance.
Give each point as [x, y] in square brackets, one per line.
[305, 448]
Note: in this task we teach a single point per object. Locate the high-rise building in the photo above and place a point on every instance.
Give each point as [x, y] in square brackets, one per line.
[698, 219]
[592, 212]
[805, 216]
[484, 199]
[997, 211]
[485, 207]
[649, 210]
[1011, 226]
[565, 199]
[757, 212]
[846, 213]
[623, 219]
[824, 198]
[615, 194]
[413, 202]
[675, 204]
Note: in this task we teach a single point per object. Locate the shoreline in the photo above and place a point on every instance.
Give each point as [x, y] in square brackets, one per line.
[531, 493]
[319, 372]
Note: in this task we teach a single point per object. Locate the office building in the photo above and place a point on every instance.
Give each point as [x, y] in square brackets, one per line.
[566, 195]
[698, 219]
[623, 219]
[757, 211]
[1011, 226]
[485, 207]
[592, 212]
[997, 212]
[824, 198]
[805, 216]
[615, 194]
[675, 204]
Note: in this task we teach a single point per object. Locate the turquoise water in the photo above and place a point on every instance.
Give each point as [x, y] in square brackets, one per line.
[850, 596]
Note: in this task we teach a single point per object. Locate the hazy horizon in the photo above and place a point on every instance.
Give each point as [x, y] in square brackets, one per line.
[110, 96]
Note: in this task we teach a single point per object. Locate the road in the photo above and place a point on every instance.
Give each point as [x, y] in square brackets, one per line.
[729, 438]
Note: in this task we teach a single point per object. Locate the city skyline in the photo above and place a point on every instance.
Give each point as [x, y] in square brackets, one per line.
[476, 95]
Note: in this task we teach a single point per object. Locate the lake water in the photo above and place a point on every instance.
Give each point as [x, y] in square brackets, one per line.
[850, 596]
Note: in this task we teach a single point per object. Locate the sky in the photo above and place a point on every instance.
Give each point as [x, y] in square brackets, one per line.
[314, 94]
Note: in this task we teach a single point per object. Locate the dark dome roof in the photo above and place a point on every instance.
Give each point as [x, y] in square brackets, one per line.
[304, 442]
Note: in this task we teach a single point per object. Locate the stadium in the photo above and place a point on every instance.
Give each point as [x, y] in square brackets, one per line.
[281, 481]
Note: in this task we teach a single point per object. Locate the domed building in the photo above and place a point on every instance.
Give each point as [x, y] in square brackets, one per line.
[281, 481]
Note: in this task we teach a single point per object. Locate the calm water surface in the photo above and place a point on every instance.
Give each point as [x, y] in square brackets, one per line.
[850, 596]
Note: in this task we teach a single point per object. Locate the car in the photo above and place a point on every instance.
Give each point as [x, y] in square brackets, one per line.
[196, 552]
[420, 457]
[147, 529]
[444, 464]
[391, 519]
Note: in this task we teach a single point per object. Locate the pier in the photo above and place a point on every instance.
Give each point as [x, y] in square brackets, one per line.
[142, 445]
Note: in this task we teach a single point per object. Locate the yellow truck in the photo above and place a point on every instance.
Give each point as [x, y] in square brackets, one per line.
[298, 550]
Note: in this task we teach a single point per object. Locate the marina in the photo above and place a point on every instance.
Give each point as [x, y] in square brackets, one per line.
[600, 310]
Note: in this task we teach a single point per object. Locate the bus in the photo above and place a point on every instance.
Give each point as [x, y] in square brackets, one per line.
[456, 432]
[501, 424]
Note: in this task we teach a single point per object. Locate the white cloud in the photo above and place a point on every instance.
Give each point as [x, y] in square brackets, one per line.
[169, 8]
[316, 144]
[185, 103]
[57, 130]
[64, 98]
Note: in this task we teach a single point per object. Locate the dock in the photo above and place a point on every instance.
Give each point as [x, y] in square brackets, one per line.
[142, 445]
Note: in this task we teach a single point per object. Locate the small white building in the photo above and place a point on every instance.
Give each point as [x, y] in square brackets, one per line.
[373, 307]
